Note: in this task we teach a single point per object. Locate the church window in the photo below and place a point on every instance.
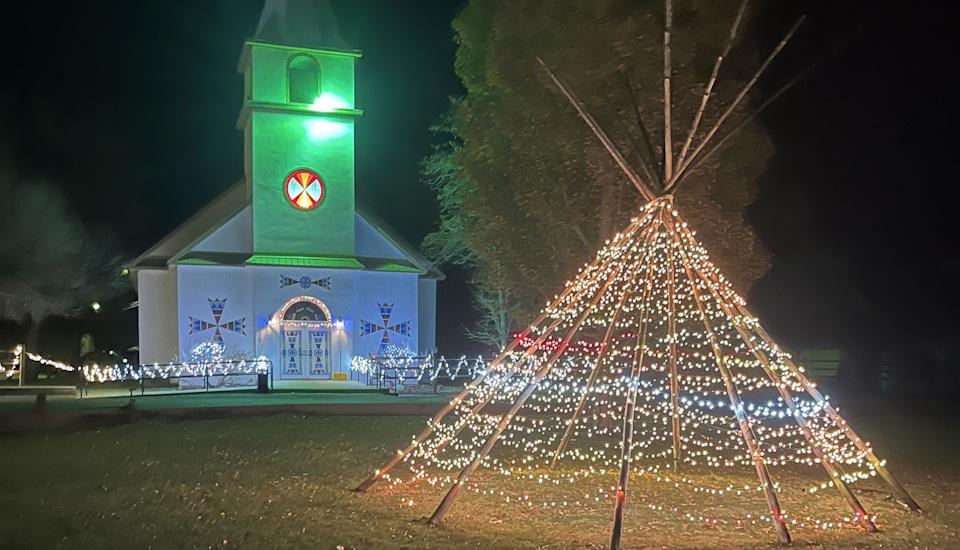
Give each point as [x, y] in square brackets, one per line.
[305, 311]
[303, 80]
[304, 188]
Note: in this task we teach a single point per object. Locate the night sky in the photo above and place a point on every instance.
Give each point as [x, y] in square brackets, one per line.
[131, 107]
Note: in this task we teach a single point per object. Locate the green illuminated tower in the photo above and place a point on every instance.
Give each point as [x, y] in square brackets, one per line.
[298, 121]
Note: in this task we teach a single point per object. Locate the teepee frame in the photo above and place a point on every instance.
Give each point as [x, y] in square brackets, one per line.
[658, 192]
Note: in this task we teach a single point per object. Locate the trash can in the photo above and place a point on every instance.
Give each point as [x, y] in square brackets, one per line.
[262, 384]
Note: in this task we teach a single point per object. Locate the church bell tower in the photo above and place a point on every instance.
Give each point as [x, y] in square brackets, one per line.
[298, 121]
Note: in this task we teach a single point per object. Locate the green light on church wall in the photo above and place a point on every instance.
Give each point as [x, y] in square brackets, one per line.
[270, 66]
[328, 103]
[320, 130]
[286, 132]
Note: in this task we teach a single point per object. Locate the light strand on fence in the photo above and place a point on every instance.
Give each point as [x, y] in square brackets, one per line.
[14, 370]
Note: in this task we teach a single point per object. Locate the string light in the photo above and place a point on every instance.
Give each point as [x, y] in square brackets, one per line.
[50, 362]
[650, 321]
[207, 360]
[120, 372]
[14, 368]
[408, 368]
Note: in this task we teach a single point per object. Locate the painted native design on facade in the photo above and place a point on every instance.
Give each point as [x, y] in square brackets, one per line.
[238, 326]
[403, 328]
[304, 282]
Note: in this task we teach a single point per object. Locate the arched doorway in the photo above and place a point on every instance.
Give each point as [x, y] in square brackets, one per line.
[305, 324]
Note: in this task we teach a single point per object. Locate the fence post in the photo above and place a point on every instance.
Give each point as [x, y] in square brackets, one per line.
[23, 364]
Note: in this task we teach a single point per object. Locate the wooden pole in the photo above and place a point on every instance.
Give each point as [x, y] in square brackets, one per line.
[733, 131]
[601, 135]
[736, 102]
[862, 517]
[645, 236]
[629, 412]
[708, 90]
[745, 431]
[439, 416]
[654, 173]
[885, 474]
[21, 378]
[667, 99]
[514, 369]
[674, 374]
[766, 103]
[505, 420]
[628, 291]
[811, 389]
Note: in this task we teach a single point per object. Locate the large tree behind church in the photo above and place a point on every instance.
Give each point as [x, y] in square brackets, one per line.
[527, 194]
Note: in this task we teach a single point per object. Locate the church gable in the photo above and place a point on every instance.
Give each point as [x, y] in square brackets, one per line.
[373, 244]
[233, 236]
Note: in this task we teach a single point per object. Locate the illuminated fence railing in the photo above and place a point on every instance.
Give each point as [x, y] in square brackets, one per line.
[10, 363]
[201, 375]
[13, 361]
[164, 371]
[205, 374]
[392, 371]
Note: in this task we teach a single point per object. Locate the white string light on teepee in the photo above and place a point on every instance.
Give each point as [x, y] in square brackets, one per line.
[684, 381]
[659, 309]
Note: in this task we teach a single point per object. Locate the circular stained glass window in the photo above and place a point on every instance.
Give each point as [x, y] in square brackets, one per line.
[304, 189]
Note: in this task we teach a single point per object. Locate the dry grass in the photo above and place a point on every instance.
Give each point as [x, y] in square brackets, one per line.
[284, 482]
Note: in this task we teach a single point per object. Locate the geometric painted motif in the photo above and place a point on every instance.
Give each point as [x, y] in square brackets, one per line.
[319, 352]
[291, 353]
[309, 358]
[403, 329]
[217, 306]
[304, 282]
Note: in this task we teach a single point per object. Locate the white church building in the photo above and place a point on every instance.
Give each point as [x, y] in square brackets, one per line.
[285, 264]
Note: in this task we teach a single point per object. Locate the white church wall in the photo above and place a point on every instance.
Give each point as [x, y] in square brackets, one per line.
[370, 243]
[157, 315]
[235, 235]
[427, 315]
[397, 291]
[351, 297]
[202, 291]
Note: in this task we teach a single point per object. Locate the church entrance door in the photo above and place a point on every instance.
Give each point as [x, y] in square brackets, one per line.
[305, 340]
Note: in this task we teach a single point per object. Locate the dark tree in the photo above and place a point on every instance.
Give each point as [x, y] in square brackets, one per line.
[528, 195]
[51, 264]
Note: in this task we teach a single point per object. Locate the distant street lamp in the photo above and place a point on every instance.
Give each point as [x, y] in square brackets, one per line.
[95, 306]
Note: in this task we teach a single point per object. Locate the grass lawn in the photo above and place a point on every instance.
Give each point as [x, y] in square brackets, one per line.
[213, 399]
[285, 482]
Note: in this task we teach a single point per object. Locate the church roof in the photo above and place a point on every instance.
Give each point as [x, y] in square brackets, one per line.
[197, 226]
[308, 23]
[410, 251]
[179, 245]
